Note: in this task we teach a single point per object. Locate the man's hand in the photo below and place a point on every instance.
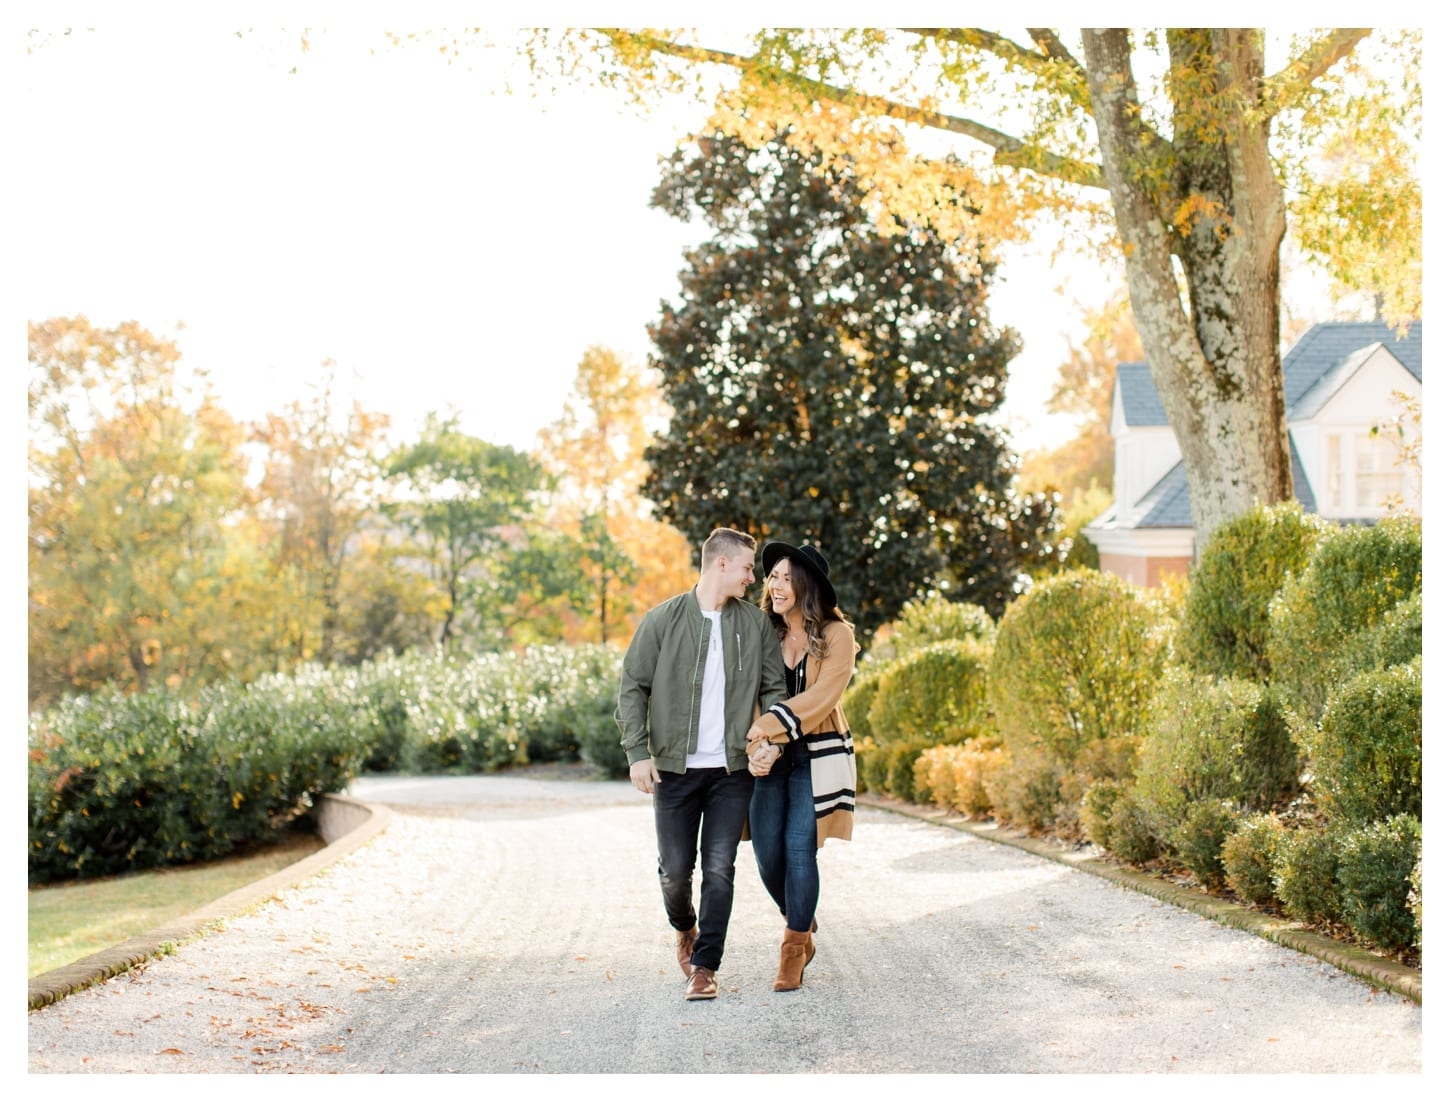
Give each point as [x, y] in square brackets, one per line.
[765, 756]
[644, 776]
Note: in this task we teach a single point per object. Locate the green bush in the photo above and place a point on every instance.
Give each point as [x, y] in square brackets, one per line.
[1395, 640]
[1354, 579]
[120, 783]
[1073, 671]
[1199, 839]
[1113, 820]
[1306, 864]
[1376, 863]
[858, 698]
[937, 692]
[1076, 661]
[1364, 755]
[870, 766]
[1225, 629]
[1096, 812]
[890, 770]
[1248, 857]
[1130, 835]
[1213, 739]
[1027, 791]
[901, 758]
[932, 619]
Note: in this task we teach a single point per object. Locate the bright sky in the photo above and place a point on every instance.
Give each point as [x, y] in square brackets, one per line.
[447, 247]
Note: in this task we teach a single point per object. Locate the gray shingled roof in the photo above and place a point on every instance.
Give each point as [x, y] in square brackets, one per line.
[1141, 404]
[1327, 350]
[1327, 346]
[1166, 504]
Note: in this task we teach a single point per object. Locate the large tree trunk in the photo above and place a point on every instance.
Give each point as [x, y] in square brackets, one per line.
[1211, 200]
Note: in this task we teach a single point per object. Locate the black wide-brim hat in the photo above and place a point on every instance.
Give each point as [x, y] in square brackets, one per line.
[805, 556]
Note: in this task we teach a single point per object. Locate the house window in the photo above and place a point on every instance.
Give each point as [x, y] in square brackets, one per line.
[1376, 477]
[1361, 473]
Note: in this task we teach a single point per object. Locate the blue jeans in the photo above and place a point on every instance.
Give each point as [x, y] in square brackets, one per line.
[701, 812]
[783, 832]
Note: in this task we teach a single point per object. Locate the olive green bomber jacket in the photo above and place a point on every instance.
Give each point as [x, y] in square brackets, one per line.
[660, 680]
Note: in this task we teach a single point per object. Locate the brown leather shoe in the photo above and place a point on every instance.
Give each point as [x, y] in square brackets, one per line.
[702, 985]
[685, 947]
[796, 951]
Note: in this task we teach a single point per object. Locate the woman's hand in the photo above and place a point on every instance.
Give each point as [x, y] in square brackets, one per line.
[763, 758]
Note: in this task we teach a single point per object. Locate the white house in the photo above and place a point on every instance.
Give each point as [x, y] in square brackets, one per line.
[1340, 381]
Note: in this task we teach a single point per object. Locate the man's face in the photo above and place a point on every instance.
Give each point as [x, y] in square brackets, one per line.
[739, 573]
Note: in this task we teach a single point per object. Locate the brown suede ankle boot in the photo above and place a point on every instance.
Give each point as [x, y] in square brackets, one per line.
[796, 951]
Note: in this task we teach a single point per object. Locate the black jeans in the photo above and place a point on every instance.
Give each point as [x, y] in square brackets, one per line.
[701, 812]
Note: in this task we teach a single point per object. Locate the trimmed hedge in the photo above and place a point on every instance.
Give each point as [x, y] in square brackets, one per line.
[1225, 629]
[1213, 739]
[1352, 583]
[933, 619]
[1306, 867]
[1376, 863]
[1073, 672]
[937, 692]
[956, 777]
[1199, 839]
[1076, 661]
[858, 698]
[120, 783]
[891, 769]
[1365, 754]
[1248, 857]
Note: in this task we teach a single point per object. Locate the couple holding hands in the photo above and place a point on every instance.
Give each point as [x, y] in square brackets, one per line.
[730, 718]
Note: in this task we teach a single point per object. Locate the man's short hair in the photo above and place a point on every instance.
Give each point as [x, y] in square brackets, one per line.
[725, 541]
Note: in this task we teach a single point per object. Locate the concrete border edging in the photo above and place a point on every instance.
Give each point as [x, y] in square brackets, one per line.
[344, 824]
[1388, 975]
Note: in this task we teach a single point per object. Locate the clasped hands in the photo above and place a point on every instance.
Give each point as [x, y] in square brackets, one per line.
[763, 753]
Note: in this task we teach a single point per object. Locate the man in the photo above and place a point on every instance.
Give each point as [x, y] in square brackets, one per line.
[700, 668]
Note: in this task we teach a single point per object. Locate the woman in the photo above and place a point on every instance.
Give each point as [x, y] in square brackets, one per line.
[800, 750]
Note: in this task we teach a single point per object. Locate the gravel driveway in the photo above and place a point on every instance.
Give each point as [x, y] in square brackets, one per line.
[504, 924]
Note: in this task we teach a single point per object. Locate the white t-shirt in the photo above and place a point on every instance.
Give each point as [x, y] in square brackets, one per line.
[710, 749]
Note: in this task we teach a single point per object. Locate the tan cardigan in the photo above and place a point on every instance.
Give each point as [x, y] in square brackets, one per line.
[816, 716]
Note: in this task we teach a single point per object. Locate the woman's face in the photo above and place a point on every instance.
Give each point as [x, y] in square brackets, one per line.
[780, 588]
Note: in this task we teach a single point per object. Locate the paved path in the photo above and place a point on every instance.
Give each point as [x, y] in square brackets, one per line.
[509, 925]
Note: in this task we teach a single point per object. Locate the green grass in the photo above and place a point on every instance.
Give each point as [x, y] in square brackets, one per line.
[72, 920]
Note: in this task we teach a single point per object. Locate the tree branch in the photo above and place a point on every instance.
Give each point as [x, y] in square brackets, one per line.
[1048, 42]
[1010, 151]
[1313, 63]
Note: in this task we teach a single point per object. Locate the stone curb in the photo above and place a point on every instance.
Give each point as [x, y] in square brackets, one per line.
[1386, 974]
[344, 824]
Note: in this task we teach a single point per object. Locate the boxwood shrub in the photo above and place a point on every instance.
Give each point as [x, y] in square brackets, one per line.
[1317, 624]
[937, 692]
[932, 619]
[1365, 754]
[1213, 739]
[955, 777]
[1248, 857]
[858, 698]
[1198, 840]
[1076, 661]
[1225, 628]
[1376, 863]
[1306, 864]
[1073, 671]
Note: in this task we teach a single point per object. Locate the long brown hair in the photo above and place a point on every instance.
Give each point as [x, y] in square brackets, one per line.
[812, 605]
